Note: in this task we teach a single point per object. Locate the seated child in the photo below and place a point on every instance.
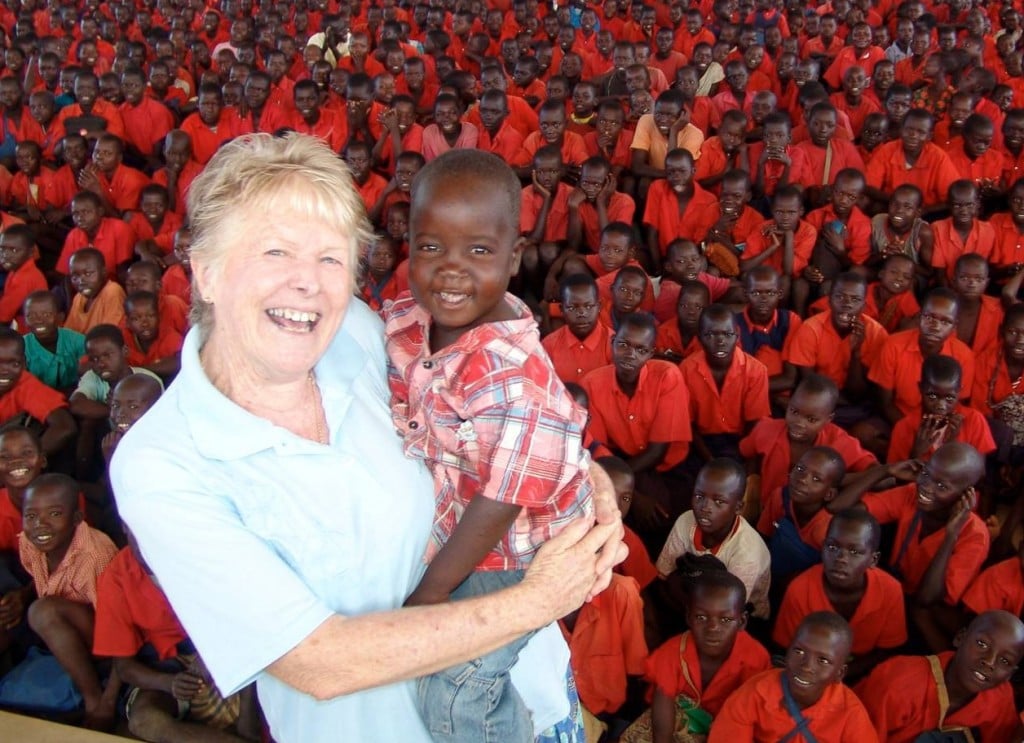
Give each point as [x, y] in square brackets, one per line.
[616, 249]
[479, 343]
[154, 224]
[145, 276]
[637, 564]
[630, 289]
[901, 231]
[582, 344]
[65, 557]
[544, 212]
[784, 242]
[380, 281]
[692, 674]
[874, 133]
[998, 587]
[967, 688]
[959, 234]
[980, 315]
[715, 526]
[735, 222]
[129, 401]
[940, 542]
[99, 301]
[396, 225]
[775, 446]
[765, 329]
[113, 238]
[606, 645]
[941, 417]
[678, 337]
[775, 163]
[793, 518]
[21, 275]
[677, 206]
[151, 343]
[891, 300]
[685, 261]
[849, 582]
[595, 203]
[177, 279]
[51, 352]
[170, 692]
[805, 698]
[728, 387]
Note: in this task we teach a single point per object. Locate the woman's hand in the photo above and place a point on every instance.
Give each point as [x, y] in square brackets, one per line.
[606, 510]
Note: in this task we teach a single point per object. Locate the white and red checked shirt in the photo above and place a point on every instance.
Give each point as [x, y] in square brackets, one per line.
[490, 417]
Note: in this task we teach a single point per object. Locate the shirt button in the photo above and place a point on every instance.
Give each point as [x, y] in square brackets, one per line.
[428, 364]
[413, 425]
[632, 417]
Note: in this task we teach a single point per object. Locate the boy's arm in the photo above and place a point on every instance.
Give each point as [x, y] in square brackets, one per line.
[483, 524]
[932, 588]
[60, 429]
[855, 489]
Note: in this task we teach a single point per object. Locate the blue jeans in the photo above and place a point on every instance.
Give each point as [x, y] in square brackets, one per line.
[475, 702]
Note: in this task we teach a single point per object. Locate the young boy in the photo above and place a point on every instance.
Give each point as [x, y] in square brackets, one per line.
[616, 250]
[177, 279]
[51, 352]
[735, 222]
[728, 387]
[99, 300]
[685, 261]
[144, 276]
[805, 696]
[793, 518]
[715, 527]
[65, 557]
[960, 233]
[968, 688]
[631, 292]
[849, 582]
[890, 300]
[22, 276]
[697, 671]
[901, 231]
[677, 207]
[582, 344]
[595, 203]
[765, 329]
[637, 564]
[980, 315]
[544, 213]
[472, 339]
[784, 242]
[154, 224]
[678, 338]
[151, 343]
[21, 461]
[380, 282]
[129, 401]
[112, 237]
[941, 417]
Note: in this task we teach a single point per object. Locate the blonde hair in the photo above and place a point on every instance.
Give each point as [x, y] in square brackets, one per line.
[260, 176]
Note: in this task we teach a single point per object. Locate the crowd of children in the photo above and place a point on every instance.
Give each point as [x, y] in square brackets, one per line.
[774, 249]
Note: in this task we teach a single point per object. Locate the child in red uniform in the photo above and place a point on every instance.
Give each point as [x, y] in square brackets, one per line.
[685, 261]
[630, 290]
[65, 557]
[794, 519]
[890, 300]
[998, 587]
[637, 564]
[849, 583]
[677, 207]
[144, 276]
[940, 543]
[728, 388]
[98, 300]
[941, 417]
[735, 222]
[177, 279]
[617, 248]
[154, 224]
[765, 328]
[595, 203]
[775, 163]
[380, 282]
[980, 315]
[969, 688]
[959, 234]
[806, 695]
[112, 237]
[470, 333]
[784, 242]
[678, 338]
[152, 344]
[582, 344]
[775, 446]
[17, 249]
[697, 671]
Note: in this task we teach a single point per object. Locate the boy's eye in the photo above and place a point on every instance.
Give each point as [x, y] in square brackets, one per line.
[479, 250]
[428, 248]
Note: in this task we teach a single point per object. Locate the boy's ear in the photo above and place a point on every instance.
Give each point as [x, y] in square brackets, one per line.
[517, 253]
[874, 559]
[831, 494]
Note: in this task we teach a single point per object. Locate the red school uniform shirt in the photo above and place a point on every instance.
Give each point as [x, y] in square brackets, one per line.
[177, 284]
[804, 238]
[662, 213]
[877, 623]
[622, 151]
[767, 343]
[998, 587]
[844, 155]
[658, 411]
[557, 226]
[132, 611]
[10, 523]
[574, 152]
[331, 128]
[146, 124]
[505, 144]
[674, 670]
[620, 209]
[206, 139]
[988, 167]
[818, 346]
[637, 564]
[893, 311]
[21, 282]
[492, 418]
[899, 367]
[38, 191]
[948, 245]
[668, 294]
[124, 187]
[770, 440]
[932, 173]
[114, 238]
[902, 697]
[900, 505]
[773, 510]
[164, 237]
[166, 344]
[607, 644]
[799, 167]
[185, 178]
[371, 189]
[745, 388]
[974, 430]
[574, 358]
[670, 339]
[847, 58]
[1007, 242]
[31, 396]
[756, 712]
[858, 231]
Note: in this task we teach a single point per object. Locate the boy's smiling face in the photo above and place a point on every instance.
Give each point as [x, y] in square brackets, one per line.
[12, 364]
[21, 460]
[987, 652]
[50, 516]
[88, 275]
[815, 660]
[43, 317]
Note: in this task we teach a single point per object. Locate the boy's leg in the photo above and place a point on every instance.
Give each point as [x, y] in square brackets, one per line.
[475, 702]
[153, 716]
[67, 629]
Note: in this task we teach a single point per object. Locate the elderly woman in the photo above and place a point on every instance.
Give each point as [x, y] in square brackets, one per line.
[269, 492]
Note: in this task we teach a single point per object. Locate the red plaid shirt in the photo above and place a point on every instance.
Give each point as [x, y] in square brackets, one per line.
[490, 417]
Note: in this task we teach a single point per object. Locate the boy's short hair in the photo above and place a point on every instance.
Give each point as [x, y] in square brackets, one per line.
[630, 271]
[959, 186]
[919, 114]
[820, 107]
[692, 285]
[42, 295]
[552, 151]
[941, 292]
[107, 332]
[615, 465]
[576, 281]
[620, 228]
[788, 191]
[708, 580]
[967, 258]
[819, 384]
[908, 189]
[834, 458]
[411, 156]
[778, 118]
[154, 189]
[849, 173]
[734, 116]
[142, 296]
[763, 272]
[680, 152]
[714, 313]
[941, 368]
[550, 106]
[637, 321]
[88, 196]
[671, 96]
[851, 277]
[471, 167]
[9, 334]
[729, 466]
[827, 620]
[21, 232]
[859, 516]
[63, 484]
[88, 253]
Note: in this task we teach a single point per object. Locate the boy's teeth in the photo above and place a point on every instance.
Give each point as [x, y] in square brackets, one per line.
[19, 472]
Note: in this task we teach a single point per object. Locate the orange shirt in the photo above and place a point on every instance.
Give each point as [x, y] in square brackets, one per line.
[998, 587]
[817, 346]
[770, 441]
[521, 116]
[1007, 242]
[206, 139]
[847, 58]
[799, 167]
[164, 238]
[974, 431]
[658, 411]
[185, 178]
[39, 190]
[893, 312]
[858, 231]
[371, 190]
[114, 238]
[758, 341]
[844, 155]
[637, 564]
[756, 712]
[124, 187]
[75, 577]
[878, 622]
[102, 108]
[948, 245]
[856, 111]
[166, 344]
[620, 209]
[670, 338]
[969, 552]
[674, 669]
[557, 226]
[607, 644]
[899, 367]
[745, 387]
[572, 357]
[804, 239]
[21, 282]
[663, 214]
[331, 128]
[773, 510]
[932, 173]
[574, 152]
[146, 124]
[505, 144]
[176, 283]
[107, 309]
[988, 167]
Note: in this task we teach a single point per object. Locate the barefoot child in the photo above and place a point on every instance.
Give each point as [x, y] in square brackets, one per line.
[459, 346]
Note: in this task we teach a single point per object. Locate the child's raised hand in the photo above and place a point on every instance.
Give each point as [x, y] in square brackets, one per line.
[539, 188]
[907, 470]
[608, 189]
[814, 274]
[186, 685]
[576, 198]
[389, 119]
[961, 511]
